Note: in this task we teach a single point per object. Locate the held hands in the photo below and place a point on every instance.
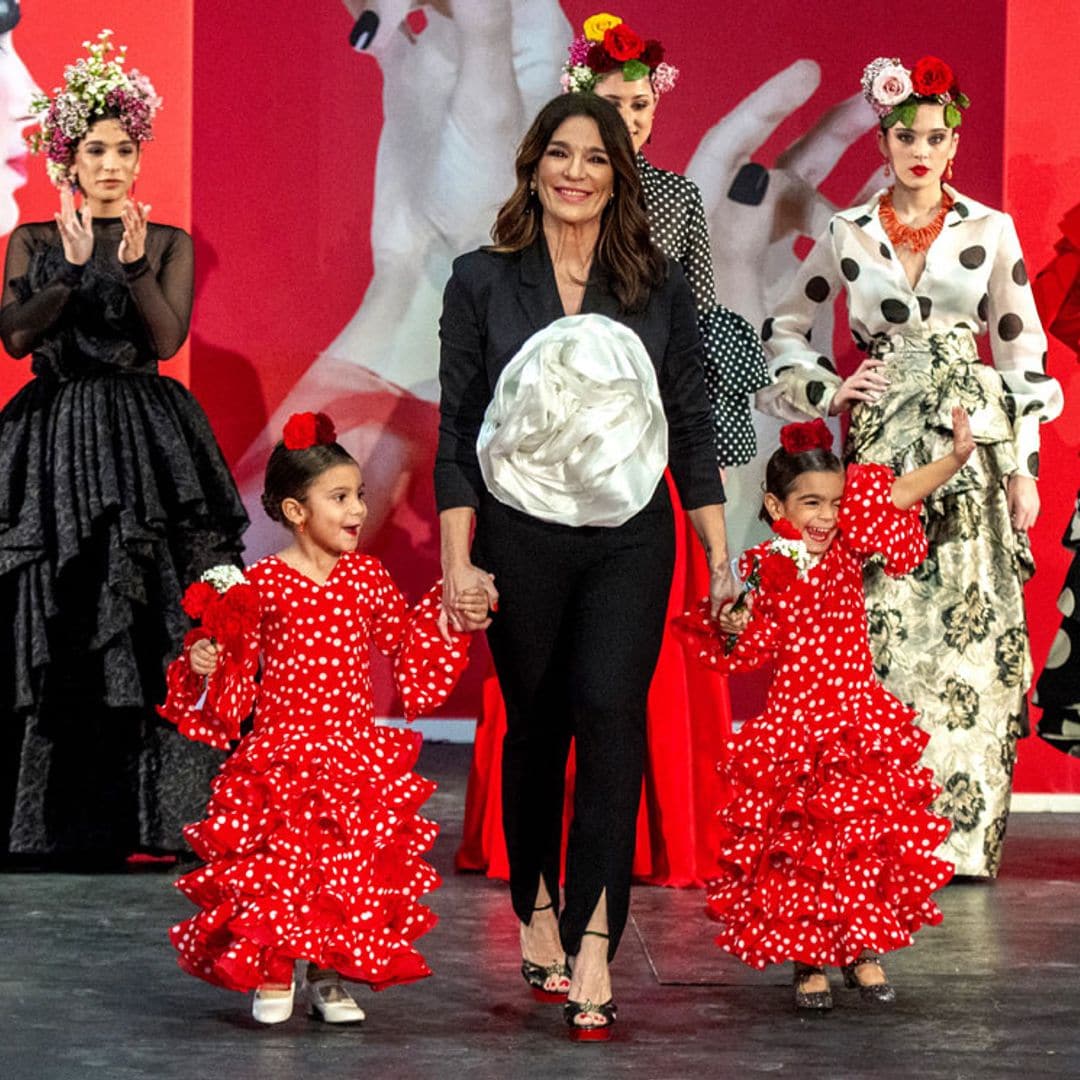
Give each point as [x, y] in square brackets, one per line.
[723, 591]
[867, 383]
[203, 656]
[133, 244]
[76, 229]
[469, 594]
[735, 622]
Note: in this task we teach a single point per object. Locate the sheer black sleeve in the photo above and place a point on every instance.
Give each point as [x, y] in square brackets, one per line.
[26, 316]
[163, 299]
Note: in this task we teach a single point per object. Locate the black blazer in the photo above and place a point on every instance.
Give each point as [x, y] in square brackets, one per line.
[495, 301]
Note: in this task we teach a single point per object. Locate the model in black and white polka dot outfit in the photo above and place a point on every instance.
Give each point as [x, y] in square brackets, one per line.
[952, 638]
[734, 358]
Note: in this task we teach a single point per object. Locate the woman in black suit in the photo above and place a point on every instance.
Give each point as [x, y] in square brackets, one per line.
[580, 606]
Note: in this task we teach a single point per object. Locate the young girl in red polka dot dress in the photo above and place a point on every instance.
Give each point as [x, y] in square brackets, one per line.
[827, 844]
[313, 842]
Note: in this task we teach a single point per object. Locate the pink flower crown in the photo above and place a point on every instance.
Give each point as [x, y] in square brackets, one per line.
[94, 87]
[608, 44]
[895, 93]
[307, 429]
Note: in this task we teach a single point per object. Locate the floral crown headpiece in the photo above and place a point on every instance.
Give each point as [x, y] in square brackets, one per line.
[304, 430]
[94, 86]
[802, 438]
[895, 93]
[608, 44]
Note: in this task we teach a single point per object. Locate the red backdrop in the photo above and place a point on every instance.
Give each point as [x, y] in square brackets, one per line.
[267, 147]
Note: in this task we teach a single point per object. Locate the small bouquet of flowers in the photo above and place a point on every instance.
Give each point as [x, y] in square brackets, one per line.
[226, 606]
[210, 710]
[775, 570]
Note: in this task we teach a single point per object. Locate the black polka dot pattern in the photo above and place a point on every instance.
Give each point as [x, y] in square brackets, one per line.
[962, 209]
[1033, 463]
[884, 249]
[849, 268]
[926, 305]
[895, 311]
[817, 289]
[826, 363]
[984, 308]
[1019, 272]
[815, 391]
[1036, 377]
[1010, 327]
[973, 257]
[734, 358]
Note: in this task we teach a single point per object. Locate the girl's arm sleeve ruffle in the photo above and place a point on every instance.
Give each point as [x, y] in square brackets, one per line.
[873, 524]
[211, 710]
[704, 641]
[426, 668]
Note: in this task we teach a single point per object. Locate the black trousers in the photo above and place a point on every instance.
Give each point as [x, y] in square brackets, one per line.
[575, 643]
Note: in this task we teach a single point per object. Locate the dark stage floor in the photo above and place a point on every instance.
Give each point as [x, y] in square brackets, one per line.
[89, 988]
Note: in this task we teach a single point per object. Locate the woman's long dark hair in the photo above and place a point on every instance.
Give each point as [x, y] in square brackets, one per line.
[634, 264]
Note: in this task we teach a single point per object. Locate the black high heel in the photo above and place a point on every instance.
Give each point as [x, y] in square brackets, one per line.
[537, 975]
[881, 993]
[608, 1011]
[810, 1000]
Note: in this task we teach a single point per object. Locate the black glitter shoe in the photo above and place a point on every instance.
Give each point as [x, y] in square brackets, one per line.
[538, 975]
[811, 1000]
[882, 992]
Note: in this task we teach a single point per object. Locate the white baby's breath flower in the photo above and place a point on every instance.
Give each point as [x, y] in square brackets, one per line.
[223, 577]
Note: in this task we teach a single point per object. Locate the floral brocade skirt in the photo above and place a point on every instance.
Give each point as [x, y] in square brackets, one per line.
[950, 639]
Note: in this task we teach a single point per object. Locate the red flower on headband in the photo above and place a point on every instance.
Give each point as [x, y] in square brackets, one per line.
[652, 54]
[799, 438]
[599, 60]
[931, 76]
[785, 530]
[623, 43]
[307, 429]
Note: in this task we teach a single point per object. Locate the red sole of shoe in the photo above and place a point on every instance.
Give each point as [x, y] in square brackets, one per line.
[596, 1034]
[548, 997]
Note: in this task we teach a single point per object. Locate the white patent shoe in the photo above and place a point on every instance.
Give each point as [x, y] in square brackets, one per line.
[272, 1006]
[332, 1003]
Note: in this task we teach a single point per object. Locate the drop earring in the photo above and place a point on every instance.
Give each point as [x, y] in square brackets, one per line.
[888, 171]
[948, 170]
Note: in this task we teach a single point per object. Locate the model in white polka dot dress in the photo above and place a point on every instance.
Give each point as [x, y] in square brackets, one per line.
[827, 846]
[313, 841]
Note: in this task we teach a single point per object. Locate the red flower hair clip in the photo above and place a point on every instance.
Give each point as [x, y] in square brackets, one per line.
[306, 429]
[801, 438]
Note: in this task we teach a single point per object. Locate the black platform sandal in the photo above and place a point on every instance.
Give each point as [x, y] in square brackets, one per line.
[608, 1011]
[882, 993]
[810, 1000]
[539, 975]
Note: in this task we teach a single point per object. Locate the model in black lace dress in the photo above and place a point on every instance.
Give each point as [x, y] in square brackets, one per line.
[113, 497]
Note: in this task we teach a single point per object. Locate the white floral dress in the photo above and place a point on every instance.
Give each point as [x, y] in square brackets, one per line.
[950, 639]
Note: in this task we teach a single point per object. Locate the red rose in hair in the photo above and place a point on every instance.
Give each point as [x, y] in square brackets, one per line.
[931, 77]
[799, 438]
[197, 598]
[304, 430]
[623, 43]
[785, 530]
[653, 54]
[778, 572]
[599, 60]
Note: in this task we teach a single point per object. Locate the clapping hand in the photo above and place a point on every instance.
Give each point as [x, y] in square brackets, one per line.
[76, 229]
[133, 243]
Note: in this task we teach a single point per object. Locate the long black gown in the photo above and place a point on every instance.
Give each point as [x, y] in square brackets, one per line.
[113, 497]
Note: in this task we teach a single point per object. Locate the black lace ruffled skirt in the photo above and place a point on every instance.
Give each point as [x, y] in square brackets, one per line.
[113, 497]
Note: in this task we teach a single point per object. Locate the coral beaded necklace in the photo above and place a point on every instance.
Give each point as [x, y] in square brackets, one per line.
[901, 235]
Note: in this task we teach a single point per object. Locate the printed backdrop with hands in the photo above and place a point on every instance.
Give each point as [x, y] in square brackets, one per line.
[329, 189]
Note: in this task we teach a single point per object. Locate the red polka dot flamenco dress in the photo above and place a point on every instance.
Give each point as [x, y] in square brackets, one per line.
[312, 840]
[827, 844]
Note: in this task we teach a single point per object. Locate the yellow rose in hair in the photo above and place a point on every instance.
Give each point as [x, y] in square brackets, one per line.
[596, 25]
